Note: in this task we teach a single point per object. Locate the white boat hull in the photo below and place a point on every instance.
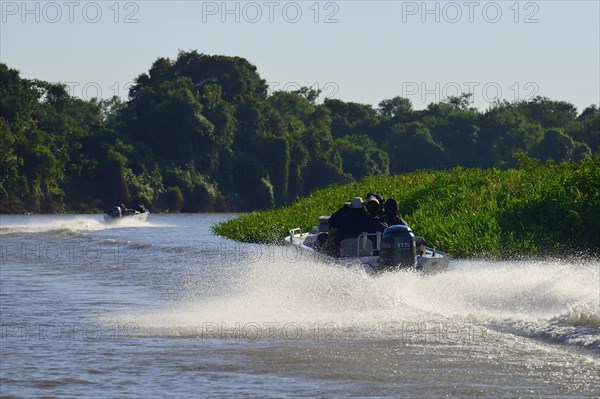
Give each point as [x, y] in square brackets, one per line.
[136, 217]
[431, 261]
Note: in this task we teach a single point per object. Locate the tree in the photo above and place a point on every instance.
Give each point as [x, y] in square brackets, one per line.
[411, 147]
[556, 146]
[10, 163]
[350, 118]
[203, 127]
[505, 130]
[548, 113]
[455, 127]
[361, 157]
[590, 130]
[395, 107]
[581, 151]
[311, 95]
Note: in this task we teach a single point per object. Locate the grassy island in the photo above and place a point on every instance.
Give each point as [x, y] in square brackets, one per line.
[536, 210]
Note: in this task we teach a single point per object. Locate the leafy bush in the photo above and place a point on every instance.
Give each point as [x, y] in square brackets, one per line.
[535, 210]
[171, 199]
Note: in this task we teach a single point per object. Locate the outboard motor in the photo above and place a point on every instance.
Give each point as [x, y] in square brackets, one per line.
[323, 224]
[398, 248]
[116, 212]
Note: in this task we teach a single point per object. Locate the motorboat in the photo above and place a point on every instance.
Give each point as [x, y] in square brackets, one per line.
[393, 249]
[117, 215]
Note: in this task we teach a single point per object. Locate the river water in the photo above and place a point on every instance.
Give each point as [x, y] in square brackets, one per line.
[167, 309]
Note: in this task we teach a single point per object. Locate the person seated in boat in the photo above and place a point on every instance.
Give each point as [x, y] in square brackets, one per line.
[392, 217]
[350, 221]
[358, 221]
[139, 207]
[372, 222]
[335, 222]
[126, 211]
[380, 211]
[336, 217]
[373, 207]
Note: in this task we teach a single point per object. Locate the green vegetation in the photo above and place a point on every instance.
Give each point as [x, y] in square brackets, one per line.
[203, 133]
[533, 210]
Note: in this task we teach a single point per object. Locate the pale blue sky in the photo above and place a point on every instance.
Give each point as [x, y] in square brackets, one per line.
[369, 50]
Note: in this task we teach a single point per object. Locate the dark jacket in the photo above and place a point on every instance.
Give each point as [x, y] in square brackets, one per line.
[391, 213]
[356, 222]
[335, 219]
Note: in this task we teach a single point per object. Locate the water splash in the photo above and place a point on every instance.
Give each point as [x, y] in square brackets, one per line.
[548, 300]
[50, 224]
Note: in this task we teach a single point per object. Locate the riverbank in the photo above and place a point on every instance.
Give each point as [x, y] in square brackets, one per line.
[549, 210]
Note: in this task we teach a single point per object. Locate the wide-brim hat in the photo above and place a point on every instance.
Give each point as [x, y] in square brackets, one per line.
[356, 203]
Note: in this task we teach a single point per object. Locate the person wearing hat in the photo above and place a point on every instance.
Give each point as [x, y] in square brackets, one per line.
[373, 206]
[358, 221]
[350, 223]
[343, 222]
[380, 212]
[352, 220]
[372, 222]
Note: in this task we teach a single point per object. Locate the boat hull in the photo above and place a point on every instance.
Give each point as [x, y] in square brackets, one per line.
[431, 261]
[136, 217]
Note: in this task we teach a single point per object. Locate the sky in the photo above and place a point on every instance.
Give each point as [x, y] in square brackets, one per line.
[361, 51]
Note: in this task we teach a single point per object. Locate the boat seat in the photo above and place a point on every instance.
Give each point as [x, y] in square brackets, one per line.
[349, 248]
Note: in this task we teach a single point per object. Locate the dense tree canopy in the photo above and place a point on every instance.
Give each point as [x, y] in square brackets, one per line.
[201, 133]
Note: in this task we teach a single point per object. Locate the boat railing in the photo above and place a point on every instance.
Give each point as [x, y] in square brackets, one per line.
[366, 244]
[295, 232]
[362, 242]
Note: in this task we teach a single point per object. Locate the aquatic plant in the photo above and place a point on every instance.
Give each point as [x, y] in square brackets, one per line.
[531, 211]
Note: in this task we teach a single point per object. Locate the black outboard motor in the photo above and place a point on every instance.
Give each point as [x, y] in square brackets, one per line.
[323, 224]
[116, 212]
[398, 248]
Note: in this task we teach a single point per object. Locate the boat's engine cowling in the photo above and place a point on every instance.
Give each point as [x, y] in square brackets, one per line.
[116, 212]
[323, 224]
[398, 247]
